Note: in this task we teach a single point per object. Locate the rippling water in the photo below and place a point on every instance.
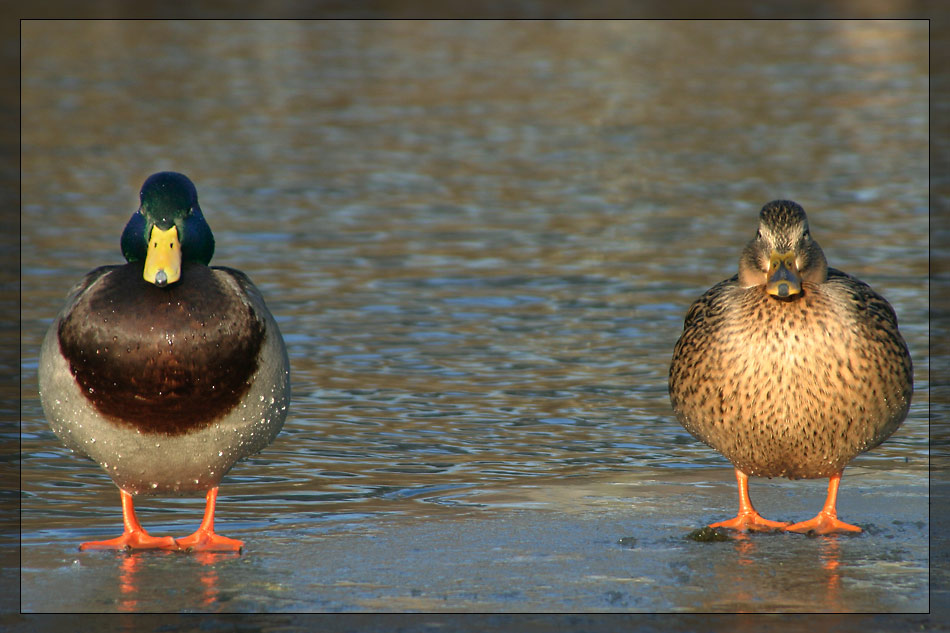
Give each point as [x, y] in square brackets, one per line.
[480, 255]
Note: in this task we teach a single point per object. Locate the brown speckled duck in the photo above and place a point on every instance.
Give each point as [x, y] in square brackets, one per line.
[164, 370]
[790, 368]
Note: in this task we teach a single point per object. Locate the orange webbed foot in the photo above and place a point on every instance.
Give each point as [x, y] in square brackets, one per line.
[748, 519]
[133, 540]
[134, 537]
[207, 541]
[204, 539]
[823, 523]
[826, 521]
[751, 521]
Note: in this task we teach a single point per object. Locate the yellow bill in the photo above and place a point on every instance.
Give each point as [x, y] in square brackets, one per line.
[163, 260]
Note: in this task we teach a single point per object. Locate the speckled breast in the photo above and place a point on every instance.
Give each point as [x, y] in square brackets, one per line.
[794, 388]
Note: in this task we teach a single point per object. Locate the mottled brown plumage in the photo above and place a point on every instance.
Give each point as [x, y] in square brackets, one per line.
[790, 368]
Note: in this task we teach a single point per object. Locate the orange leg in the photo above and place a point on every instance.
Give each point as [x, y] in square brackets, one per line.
[204, 539]
[134, 536]
[826, 522]
[748, 518]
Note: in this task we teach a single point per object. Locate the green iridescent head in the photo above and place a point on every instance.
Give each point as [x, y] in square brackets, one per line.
[167, 229]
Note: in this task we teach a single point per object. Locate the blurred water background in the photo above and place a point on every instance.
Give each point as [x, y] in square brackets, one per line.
[480, 240]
